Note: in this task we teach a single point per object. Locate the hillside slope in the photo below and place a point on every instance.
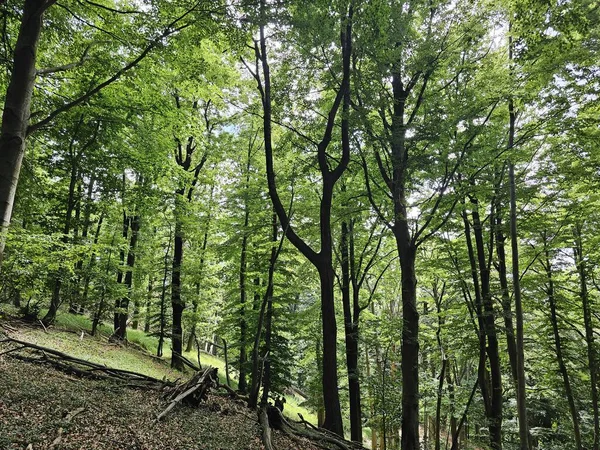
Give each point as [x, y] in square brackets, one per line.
[37, 402]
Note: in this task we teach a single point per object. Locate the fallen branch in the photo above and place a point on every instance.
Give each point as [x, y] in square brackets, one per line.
[7, 327]
[193, 391]
[68, 363]
[68, 419]
[188, 363]
[278, 421]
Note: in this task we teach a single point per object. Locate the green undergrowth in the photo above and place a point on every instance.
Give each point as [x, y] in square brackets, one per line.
[71, 334]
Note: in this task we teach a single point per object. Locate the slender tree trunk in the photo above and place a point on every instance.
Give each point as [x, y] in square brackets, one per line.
[267, 370]
[266, 305]
[589, 330]
[192, 337]
[125, 233]
[516, 275]
[177, 303]
[226, 362]
[148, 304]
[482, 374]
[323, 259]
[16, 111]
[73, 288]
[99, 310]
[506, 303]
[558, 345]
[121, 331]
[451, 398]
[438, 406]
[243, 359]
[82, 299]
[495, 416]
[201, 269]
[351, 331]
[162, 321]
[55, 301]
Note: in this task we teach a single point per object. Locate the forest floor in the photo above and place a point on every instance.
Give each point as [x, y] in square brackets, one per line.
[37, 401]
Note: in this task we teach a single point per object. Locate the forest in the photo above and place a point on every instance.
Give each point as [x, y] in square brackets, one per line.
[387, 206]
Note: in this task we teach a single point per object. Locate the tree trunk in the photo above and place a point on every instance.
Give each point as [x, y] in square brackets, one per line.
[243, 359]
[323, 259]
[558, 345]
[482, 374]
[201, 268]
[162, 325]
[148, 304]
[351, 332]
[15, 116]
[123, 314]
[451, 398]
[100, 308]
[438, 406]
[410, 338]
[516, 275]
[495, 413]
[125, 233]
[589, 330]
[55, 301]
[506, 303]
[267, 304]
[177, 303]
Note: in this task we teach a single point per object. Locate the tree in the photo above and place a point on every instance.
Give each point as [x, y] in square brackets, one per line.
[323, 260]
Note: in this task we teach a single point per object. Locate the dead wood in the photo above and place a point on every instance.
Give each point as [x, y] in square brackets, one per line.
[188, 363]
[7, 327]
[192, 392]
[67, 419]
[266, 429]
[318, 436]
[82, 368]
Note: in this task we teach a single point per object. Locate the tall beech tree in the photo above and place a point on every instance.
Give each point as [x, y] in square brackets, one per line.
[184, 157]
[397, 134]
[323, 259]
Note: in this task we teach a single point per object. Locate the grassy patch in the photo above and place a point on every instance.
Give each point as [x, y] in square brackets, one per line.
[71, 335]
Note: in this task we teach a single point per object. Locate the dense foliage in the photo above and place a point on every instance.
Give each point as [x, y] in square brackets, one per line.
[389, 205]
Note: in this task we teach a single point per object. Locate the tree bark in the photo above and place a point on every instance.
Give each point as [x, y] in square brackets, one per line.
[502, 275]
[516, 275]
[589, 330]
[55, 301]
[123, 312]
[148, 304]
[16, 112]
[351, 331]
[495, 413]
[177, 303]
[547, 264]
[243, 359]
[323, 259]
[266, 306]
[162, 320]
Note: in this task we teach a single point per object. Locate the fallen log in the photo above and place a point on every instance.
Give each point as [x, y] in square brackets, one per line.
[69, 364]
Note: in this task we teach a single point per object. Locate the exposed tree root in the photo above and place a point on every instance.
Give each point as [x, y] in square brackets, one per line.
[266, 429]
